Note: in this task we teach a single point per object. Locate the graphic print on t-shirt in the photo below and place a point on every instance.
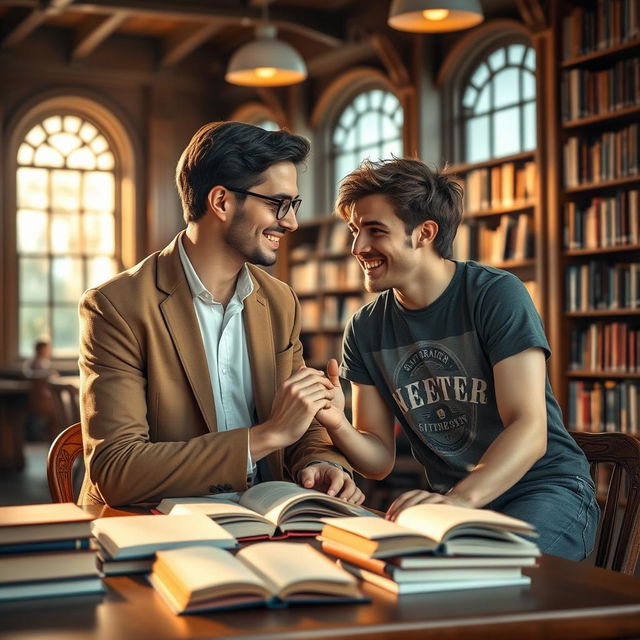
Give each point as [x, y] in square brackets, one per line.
[437, 396]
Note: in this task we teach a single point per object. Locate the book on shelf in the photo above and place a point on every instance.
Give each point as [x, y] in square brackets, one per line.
[125, 537]
[263, 574]
[48, 565]
[437, 528]
[24, 524]
[432, 586]
[430, 567]
[267, 509]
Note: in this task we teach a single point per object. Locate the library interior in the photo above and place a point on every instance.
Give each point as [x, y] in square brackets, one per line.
[531, 107]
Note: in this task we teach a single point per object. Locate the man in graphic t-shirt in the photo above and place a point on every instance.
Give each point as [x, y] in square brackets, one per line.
[456, 352]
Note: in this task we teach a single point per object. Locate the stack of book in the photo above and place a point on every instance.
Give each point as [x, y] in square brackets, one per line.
[128, 544]
[272, 574]
[433, 547]
[45, 551]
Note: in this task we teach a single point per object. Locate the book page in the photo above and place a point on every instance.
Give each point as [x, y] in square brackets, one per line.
[291, 567]
[239, 521]
[167, 504]
[372, 528]
[440, 520]
[272, 499]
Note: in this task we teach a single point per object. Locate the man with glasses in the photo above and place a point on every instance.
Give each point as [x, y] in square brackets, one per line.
[192, 377]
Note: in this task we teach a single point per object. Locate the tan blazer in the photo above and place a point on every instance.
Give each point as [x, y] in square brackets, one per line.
[148, 415]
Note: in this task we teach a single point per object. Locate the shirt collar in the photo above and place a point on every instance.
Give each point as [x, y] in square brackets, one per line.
[244, 284]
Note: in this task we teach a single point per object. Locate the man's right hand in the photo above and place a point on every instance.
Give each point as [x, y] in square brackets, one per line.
[297, 401]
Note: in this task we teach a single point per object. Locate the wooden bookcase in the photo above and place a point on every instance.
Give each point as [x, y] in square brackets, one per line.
[598, 213]
[501, 226]
[328, 280]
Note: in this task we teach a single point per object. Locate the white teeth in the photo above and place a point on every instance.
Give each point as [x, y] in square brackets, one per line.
[272, 238]
[371, 264]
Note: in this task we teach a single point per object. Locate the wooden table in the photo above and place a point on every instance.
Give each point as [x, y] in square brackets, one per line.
[565, 600]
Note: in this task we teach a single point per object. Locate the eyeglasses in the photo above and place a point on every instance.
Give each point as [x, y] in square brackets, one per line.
[284, 204]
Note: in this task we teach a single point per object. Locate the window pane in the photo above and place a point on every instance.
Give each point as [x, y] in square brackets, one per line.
[34, 280]
[99, 233]
[99, 270]
[497, 59]
[506, 132]
[65, 143]
[347, 118]
[391, 103]
[267, 125]
[68, 279]
[98, 191]
[389, 129]
[65, 331]
[106, 162]
[83, 158]
[25, 154]
[484, 100]
[516, 51]
[368, 129]
[88, 132]
[99, 144]
[361, 103]
[32, 231]
[350, 141]
[469, 97]
[33, 324]
[47, 156]
[528, 86]
[530, 59]
[376, 98]
[65, 190]
[36, 136]
[506, 87]
[71, 124]
[393, 147]
[32, 188]
[529, 113]
[345, 163]
[65, 233]
[481, 75]
[53, 124]
[477, 139]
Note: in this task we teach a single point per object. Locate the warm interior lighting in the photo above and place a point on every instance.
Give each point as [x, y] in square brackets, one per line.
[436, 14]
[266, 72]
[433, 16]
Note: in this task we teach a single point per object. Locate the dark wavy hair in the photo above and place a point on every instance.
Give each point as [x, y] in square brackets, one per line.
[416, 192]
[234, 155]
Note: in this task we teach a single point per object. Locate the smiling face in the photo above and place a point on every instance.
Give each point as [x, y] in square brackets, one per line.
[253, 231]
[381, 245]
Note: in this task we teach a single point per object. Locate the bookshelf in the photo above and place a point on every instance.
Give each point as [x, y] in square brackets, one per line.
[318, 264]
[501, 224]
[599, 112]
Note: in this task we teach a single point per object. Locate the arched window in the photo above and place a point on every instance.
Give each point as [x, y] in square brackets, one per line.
[268, 125]
[66, 226]
[498, 110]
[370, 127]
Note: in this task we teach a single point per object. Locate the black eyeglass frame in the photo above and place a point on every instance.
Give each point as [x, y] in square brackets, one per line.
[284, 204]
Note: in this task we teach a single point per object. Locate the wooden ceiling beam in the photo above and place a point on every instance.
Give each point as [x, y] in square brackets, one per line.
[532, 14]
[337, 59]
[186, 39]
[16, 33]
[95, 31]
[391, 60]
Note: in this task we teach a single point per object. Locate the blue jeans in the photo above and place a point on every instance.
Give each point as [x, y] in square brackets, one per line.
[563, 510]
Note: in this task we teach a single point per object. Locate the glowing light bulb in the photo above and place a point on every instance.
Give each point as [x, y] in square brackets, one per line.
[435, 15]
[265, 72]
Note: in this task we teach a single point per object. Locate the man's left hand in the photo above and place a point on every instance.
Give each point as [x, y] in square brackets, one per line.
[330, 480]
[417, 496]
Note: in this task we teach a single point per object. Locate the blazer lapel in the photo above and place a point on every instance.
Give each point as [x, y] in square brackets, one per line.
[182, 323]
[262, 355]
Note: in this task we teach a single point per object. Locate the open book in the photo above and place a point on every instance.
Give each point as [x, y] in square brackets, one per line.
[436, 528]
[267, 509]
[126, 537]
[268, 573]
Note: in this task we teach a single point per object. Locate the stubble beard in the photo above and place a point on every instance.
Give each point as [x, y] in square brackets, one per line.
[239, 239]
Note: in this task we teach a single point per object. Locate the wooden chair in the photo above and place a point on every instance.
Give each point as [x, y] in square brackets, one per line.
[62, 454]
[618, 546]
[66, 402]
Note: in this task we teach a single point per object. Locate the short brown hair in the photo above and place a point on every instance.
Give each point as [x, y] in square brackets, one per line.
[416, 193]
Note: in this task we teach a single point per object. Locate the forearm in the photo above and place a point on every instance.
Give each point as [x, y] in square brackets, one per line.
[505, 462]
[365, 451]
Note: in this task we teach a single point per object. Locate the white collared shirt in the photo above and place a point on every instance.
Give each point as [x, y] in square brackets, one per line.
[225, 346]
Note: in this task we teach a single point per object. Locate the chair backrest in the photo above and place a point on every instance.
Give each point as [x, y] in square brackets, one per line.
[66, 402]
[63, 452]
[618, 546]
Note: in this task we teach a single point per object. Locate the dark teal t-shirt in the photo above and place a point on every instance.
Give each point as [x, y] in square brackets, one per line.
[433, 367]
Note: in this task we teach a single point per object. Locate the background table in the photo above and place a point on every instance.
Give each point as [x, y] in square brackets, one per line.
[565, 600]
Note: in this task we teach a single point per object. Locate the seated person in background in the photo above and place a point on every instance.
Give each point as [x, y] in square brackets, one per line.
[192, 377]
[456, 352]
[40, 365]
[40, 423]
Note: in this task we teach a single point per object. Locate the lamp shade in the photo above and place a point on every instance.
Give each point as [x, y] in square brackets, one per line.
[266, 62]
[433, 16]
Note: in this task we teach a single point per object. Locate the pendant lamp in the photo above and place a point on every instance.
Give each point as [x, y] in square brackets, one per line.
[433, 16]
[266, 61]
